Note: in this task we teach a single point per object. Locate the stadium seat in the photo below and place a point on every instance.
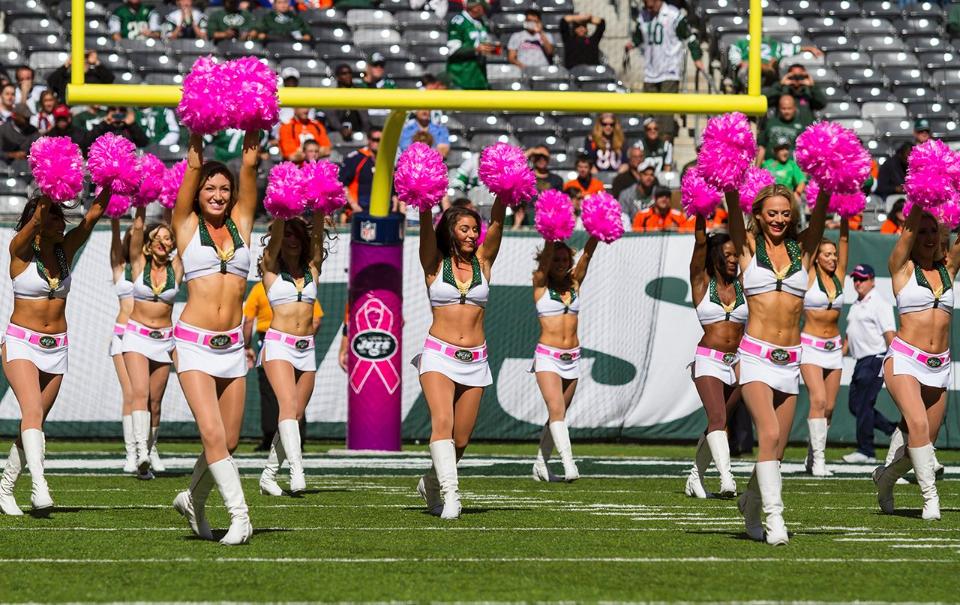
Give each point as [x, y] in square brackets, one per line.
[376, 36]
[45, 60]
[713, 8]
[723, 25]
[824, 76]
[950, 93]
[311, 81]
[924, 42]
[485, 140]
[35, 25]
[516, 6]
[405, 69]
[928, 109]
[926, 26]
[551, 141]
[362, 17]
[942, 77]
[842, 110]
[798, 9]
[31, 43]
[331, 34]
[924, 9]
[894, 128]
[588, 86]
[866, 92]
[163, 78]
[777, 26]
[945, 128]
[425, 37]
[156, 63]
[817, 26]
[937, 59]
[474, 123]
[96, 27]
[908, 93]
[330, 17]
[90, 9]
[903, 76]
[835, 42]
[505, 24]
[338, 52]
[12, 204]
[9, 42]
[596, 73]
[15, 186]
[899, 58]
[242, 48]
[881, 8]
[856, 75]
[574, 127]
[843, 9]
[148, 46]
[290, 49]
[307, 67]
[556, 6]
[554, 85]
[865, 129]
[881, 43]
[870, 26]
[420, 20]
[890, 109]
[854, 57]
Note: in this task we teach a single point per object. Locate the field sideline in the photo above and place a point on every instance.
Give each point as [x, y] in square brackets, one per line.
[625, 532]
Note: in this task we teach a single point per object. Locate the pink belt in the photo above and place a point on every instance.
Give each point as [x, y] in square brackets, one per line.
[119, 329]
[300, 343]
[154, 333]
[208, 339]
[831, 344]
[778, 355]
[559, 354]
[44, 341]
[463, 355]
[931, 361]
[727, 358]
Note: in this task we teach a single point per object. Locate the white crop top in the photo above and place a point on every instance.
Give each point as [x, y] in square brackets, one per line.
[551, 304]
[760, 277]
[817, 299]
[166, 292]
[124, 286]
[284, 290]
[444, 290]
[34, 283]
[201, 258]
[916, 295]
[711, 309]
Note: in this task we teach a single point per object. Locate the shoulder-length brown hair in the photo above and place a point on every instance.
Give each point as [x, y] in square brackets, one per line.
[210, 169]
[616, 140]
[446, 239]
[151, 232]
[762, 196]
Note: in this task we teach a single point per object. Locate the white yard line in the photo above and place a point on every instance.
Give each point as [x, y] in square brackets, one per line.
[479, 560]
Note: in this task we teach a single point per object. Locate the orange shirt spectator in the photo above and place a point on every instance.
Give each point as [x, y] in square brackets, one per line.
[718, 220]
[661, 216]
[301, 128]
[584, 184]
[891, 228]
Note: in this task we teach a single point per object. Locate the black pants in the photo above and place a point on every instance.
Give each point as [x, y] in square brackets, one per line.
[269, 408]
[864, 388]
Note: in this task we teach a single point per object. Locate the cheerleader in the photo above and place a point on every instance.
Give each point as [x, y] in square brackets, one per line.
[556, 360]
[917, 366]
[453, 366]
[122, 284]
[212, 220]
[821, 355]
[148, 348]
[35, 343]
[775, 265]
[721, 308]
[291, 271]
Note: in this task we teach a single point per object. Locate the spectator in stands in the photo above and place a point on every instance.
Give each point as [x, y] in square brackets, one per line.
[43, 119]
[88, 119]
[95, 72]
[894, 223]
[63, 126]
[532, 46]
[186, 22]
[297, 130]
[783, 126]
[311, 151]
[661, 216]
[921, 131]
[159, 124]
[784, 169]
[539, 157]
[639, 195]
[468, 40]
[347, 121]
[282, 23]
[431, 82]
[356, 174]
[421, 122]
[466, 182]
[8, 101]
[799, 84]
[17, 134]
[893, 172]
[290, 77]
[585, 184]
[121, 121]
[376, 74]
[28, 91]
[437, 7]
[231, 22]
[771, 52]
[630, 176]
[605, 146]
[663, 31]
[953, 20]
[134, 21]
[656, 148]
[579, 46]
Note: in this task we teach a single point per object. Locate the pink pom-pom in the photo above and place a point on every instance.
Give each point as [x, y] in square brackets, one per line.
[285, 197]
[848, 205]
[118, 205]
[205, 102]
[253, 94]
[930, 174]
[57, 167]
[698, 197]
[601, 216]
[554, 215]
[810, 193]
[421, 177]
[152, 172]
[948, 213]
[753, 181]
[322, 187]
[728, 149]
[112, 161]
[172, 177]
[504, 170]
[483, 233]
[834, 156]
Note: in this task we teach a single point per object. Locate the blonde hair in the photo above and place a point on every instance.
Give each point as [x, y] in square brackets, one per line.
[151, 234]
[616, 140]
[765, 194]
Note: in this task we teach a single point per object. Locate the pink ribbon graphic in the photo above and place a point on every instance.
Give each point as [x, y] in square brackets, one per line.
[373, 315]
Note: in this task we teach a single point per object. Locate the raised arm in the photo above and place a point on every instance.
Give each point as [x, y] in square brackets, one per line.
[580, 270]
[246, 206]
[698, 262]
[429, 255]
[900, 254]
[21, 246]
[843, 249]
[540, 273]
[191, 181]
[738, 230]
[77, 236]
[814, 232]
[272, 251]
[116, 246]
[316, 241]
[136, 240]
[491, 244]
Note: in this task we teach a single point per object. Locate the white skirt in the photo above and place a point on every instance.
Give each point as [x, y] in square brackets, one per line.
[466, 366]
[565, 362]
[826, 353]
[48, 352]
[218, 354]
[929, 369]
[299, 351]
[116, 340]
[775, 366]
[710, 362]
[154, 344]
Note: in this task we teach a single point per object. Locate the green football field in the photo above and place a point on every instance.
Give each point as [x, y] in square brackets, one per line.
[624, 532]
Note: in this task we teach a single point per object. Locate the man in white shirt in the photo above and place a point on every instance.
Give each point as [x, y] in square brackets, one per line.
[870, 329]
[531, 47]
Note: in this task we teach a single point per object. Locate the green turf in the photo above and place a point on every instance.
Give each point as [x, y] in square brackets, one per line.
[363, 536]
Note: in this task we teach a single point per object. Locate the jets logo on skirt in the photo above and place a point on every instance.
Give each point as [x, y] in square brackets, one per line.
[779, 356]
[220, 341]
[464, 355]
[47, 342]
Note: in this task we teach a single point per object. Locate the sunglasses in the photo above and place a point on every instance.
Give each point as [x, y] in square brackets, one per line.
[344, 73]
[857, 278]
[606, 123]
[374, 139]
